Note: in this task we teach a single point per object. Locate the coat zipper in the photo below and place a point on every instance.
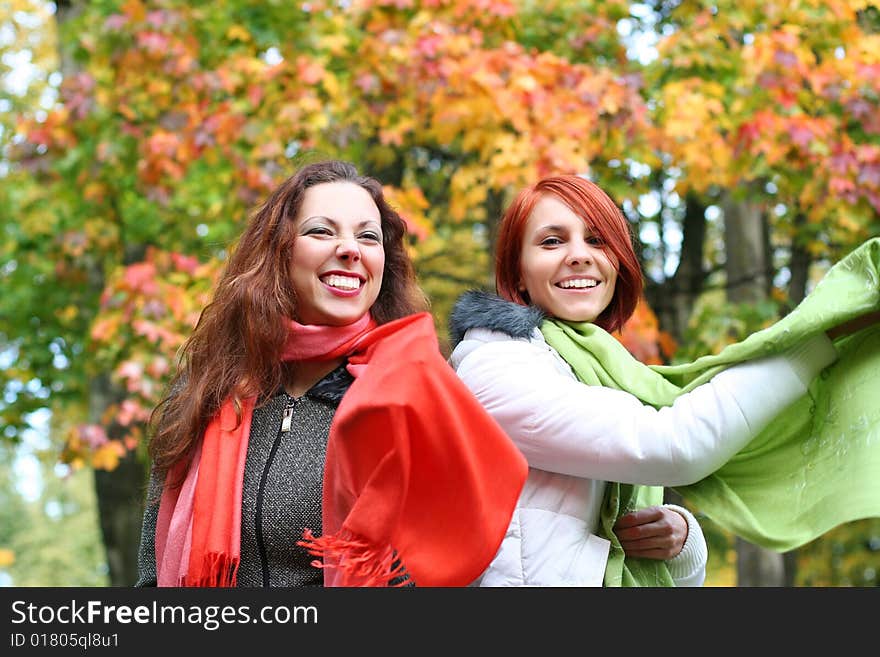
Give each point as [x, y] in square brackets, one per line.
[286, 421]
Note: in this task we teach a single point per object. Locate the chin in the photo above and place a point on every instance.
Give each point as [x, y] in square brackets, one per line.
[343, 321]
[578, 317]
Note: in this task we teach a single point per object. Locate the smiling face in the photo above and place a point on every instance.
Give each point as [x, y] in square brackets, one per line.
[338, 259]
[564, 267]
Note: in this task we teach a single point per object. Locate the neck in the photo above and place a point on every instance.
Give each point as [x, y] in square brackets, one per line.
[304, 374]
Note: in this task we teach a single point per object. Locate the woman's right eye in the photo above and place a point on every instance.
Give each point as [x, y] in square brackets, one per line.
[318, 230]
[551, 241]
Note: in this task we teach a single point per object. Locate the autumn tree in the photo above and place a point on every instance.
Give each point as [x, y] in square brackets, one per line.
[166, 122]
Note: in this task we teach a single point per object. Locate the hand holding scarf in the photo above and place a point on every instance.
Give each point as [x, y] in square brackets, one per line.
[814, 467]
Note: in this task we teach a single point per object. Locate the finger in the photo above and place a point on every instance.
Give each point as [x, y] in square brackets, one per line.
[662, 548]
[662, 520]
[657, 554]
[639, 517]
[654, 543]
[646, 530]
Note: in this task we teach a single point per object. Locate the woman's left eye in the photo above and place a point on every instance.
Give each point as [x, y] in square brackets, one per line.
[370, 236]
[595, 240]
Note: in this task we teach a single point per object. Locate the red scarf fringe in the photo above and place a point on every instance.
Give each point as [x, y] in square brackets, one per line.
[218, 569]
[355, 561]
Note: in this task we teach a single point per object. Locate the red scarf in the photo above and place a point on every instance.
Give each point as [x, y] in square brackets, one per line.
[308, 342]
[418, 472]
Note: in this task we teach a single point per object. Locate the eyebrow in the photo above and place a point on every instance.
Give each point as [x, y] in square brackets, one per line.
[551, 228]
[363, 222]
[557, 228]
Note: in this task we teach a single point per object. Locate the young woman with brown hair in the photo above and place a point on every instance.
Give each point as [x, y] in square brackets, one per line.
[312, 415]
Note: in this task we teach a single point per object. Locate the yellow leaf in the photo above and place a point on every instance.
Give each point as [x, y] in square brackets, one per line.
[525, 82]
[334, 43]
[94, 191]
[7, 557]
[158, 87]
[237, 32]
[67, 313]
[610, 104]
[134, 9]
[331, 84]
[106, 457]
[859, 5]
[411, 205]
[869, 47]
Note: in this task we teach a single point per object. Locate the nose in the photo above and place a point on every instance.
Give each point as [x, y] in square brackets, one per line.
[579, 254]
[348, 249]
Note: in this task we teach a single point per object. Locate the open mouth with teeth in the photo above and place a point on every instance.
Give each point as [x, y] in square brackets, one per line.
[578, 284]
[340, 282]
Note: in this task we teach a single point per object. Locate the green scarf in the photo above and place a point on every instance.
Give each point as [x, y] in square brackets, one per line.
[817, 464]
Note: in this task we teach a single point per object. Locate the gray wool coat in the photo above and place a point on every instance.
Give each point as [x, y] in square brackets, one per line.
[282, 490]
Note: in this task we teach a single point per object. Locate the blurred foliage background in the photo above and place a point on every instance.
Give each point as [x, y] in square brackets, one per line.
[741, 138]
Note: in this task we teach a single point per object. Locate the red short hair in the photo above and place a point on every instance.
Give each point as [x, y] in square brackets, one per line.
[601, 215]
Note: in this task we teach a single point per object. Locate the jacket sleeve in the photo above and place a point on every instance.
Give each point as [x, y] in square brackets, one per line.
[147, 549]
[688, 567]
[562, 425]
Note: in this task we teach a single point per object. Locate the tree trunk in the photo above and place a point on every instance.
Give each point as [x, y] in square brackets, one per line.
[748, 281]
[494, 209]
[747, 252]
[756, 566]
[119, 492]
[799, 266]
[673, 301]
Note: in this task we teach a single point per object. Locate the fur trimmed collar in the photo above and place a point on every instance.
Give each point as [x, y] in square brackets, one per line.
[479, 309]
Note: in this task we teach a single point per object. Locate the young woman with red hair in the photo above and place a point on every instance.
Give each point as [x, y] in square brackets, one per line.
[566, 272]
